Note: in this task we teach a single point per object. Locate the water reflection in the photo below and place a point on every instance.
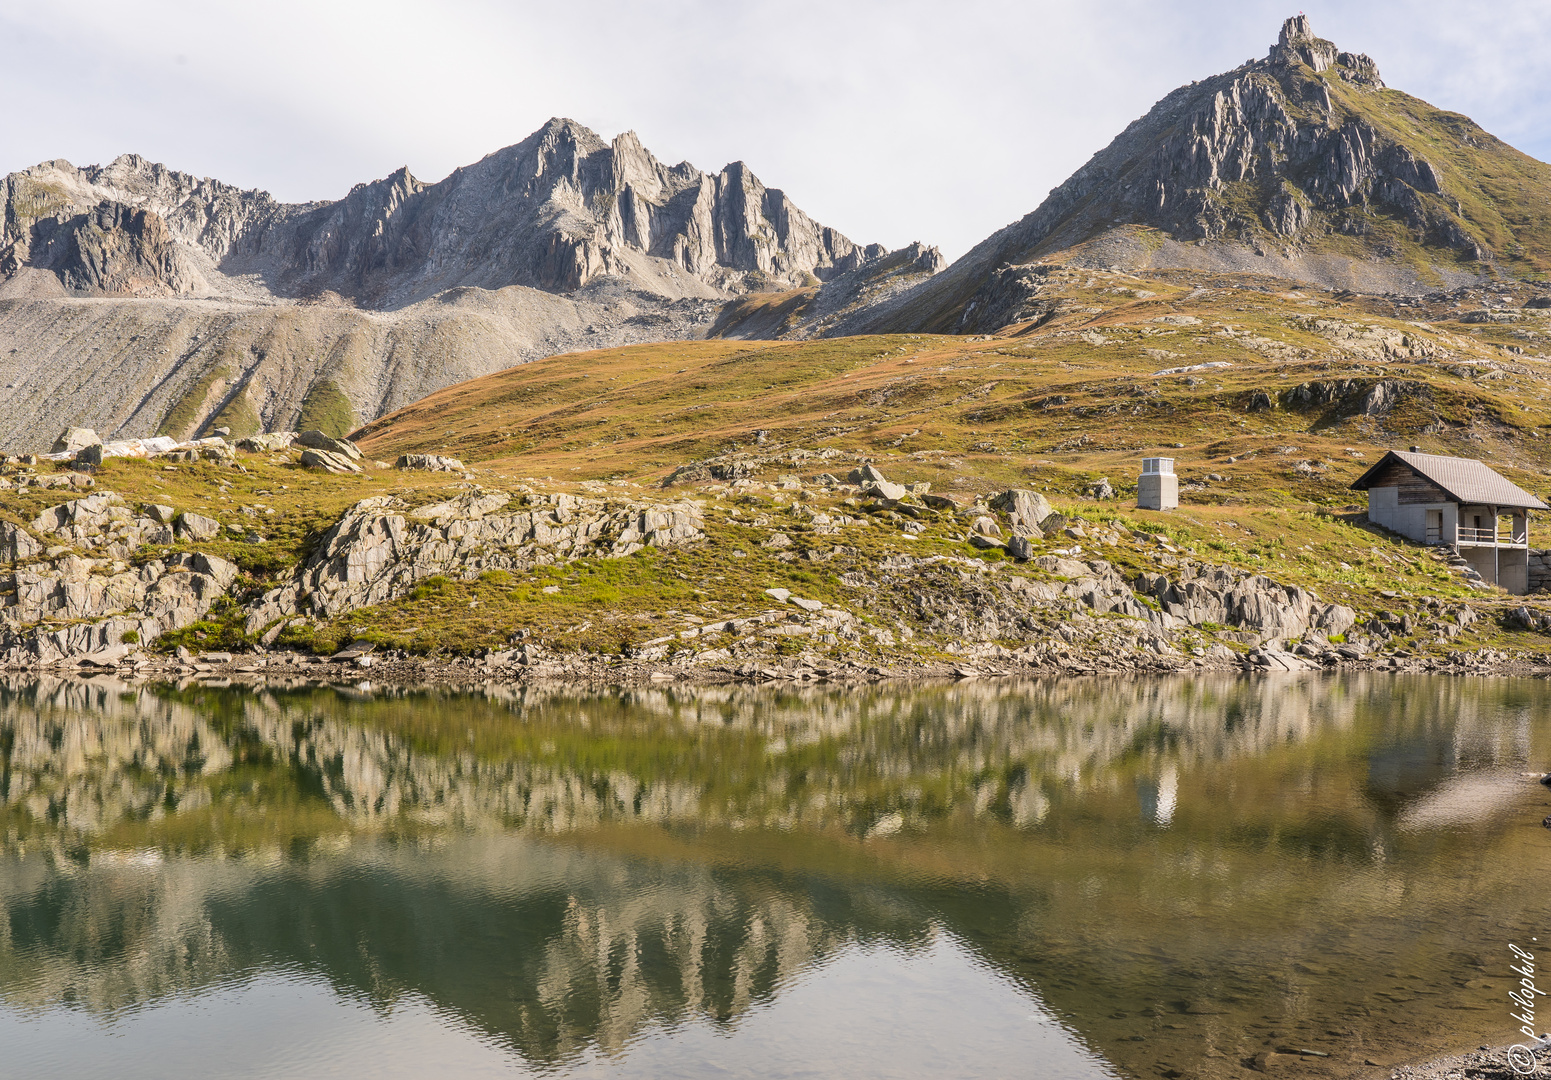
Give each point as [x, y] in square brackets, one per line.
[1188, 873]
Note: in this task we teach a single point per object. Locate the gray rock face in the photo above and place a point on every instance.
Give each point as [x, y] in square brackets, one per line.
[378, 551]
[191, 526]
[885, 490]
[101, 523]
[259, 444]
[17, 544]
[98, 608]
[1231, 598]
[831, 310]
[552, 212]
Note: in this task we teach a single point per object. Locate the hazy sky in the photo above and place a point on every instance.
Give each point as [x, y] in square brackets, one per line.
[891, 121]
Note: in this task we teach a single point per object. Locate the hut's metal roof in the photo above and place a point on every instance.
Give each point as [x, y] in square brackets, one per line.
[1465, 480]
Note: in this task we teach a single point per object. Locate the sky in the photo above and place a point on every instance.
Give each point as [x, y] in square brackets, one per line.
[890, 120]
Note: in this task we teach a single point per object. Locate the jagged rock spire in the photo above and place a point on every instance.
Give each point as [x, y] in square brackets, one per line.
[1296, 31]
[1297, 44]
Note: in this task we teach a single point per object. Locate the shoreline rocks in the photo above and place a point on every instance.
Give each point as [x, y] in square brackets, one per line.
[70, 591]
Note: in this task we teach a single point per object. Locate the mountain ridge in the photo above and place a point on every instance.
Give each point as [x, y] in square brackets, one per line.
[137, 299]
[553, 211]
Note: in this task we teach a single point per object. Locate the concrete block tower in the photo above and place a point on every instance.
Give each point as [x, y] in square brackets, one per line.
[1158, 488]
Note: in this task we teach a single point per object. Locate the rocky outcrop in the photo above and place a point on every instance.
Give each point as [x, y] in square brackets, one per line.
[68, 589]
[73, 440]
[317, 440]
[380, 550]
[110, 249]
[428, 463]
[1197, 595]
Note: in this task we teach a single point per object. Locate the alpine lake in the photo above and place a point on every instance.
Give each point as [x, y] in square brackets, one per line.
[1314, 876]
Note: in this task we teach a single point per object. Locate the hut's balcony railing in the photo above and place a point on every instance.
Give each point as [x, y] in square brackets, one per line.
[1500, 537]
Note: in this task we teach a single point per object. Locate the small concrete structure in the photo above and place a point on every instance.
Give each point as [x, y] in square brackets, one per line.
[1458, 502]
[1158, 487]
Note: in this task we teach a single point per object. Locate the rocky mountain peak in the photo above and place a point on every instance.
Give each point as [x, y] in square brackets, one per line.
[1302, 166]
[1297, 44]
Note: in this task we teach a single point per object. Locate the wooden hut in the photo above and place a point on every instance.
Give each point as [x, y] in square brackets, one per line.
[1461, 502]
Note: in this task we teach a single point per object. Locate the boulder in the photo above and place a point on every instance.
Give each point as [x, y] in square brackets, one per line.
[160, 513]
[1026, 510]
[1101, 489]
[108, 657]
[329, 461]
[275, 440]
[316, 440]
[882, 489]
[75, 439]
[866, 475]
[986, 526]
[88, 456]
[1020, 548]
[197, 527]
[431, 463]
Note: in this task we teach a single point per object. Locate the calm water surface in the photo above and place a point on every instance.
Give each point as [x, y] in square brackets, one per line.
[1073, 878]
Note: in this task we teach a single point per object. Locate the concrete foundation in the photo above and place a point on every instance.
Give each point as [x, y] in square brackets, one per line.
[1157, 491]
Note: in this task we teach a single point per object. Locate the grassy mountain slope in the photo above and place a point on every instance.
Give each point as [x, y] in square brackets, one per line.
[1074, 393]
[1303, 395]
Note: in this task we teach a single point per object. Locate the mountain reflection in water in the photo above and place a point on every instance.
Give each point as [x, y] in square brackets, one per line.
[1168, 877]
